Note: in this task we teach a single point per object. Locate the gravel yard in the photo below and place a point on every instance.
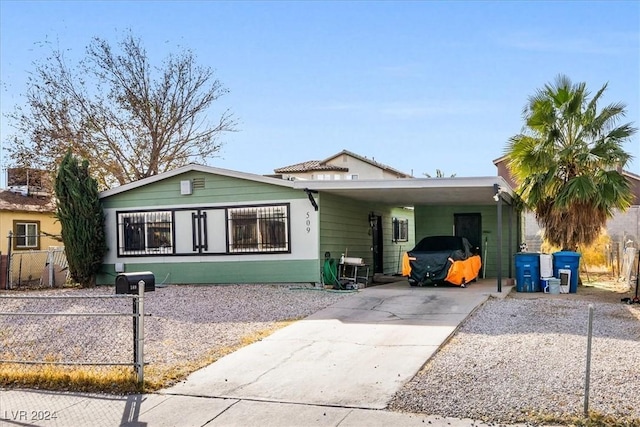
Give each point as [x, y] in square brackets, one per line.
[524, 358]
[512, 360]
[188, 326]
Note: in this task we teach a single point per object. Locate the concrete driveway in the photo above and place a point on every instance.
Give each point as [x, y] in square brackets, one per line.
[356, 353]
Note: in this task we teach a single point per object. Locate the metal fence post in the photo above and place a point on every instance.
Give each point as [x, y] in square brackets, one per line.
[139, 353]
[9, 256]
[588, 367]
[50, 266]
[134, 319]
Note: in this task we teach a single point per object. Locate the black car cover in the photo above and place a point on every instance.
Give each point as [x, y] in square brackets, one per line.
[432, 257]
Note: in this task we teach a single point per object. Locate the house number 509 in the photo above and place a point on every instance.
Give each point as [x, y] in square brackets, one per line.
[308, 222]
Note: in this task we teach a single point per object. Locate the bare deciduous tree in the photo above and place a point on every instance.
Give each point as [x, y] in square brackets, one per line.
[133, 119]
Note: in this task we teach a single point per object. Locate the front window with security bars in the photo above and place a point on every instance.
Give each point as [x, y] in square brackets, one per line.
[145, 233]
[259, 229]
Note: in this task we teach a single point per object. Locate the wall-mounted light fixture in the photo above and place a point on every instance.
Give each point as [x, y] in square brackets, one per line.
[498, 191]
[372, 219]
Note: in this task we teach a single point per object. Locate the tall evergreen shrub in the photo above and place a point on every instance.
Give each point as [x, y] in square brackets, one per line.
[82, 219]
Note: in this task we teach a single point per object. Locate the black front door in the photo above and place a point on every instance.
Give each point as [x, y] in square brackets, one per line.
[376, 232]
[469, 225]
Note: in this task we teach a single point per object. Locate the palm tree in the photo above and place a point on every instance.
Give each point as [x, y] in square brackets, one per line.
[439, 174]
[568, 160]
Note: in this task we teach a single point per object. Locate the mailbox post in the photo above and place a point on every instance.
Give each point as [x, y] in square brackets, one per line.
[137, 284]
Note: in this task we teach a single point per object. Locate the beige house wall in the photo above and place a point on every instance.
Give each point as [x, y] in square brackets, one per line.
[357, 169]
[48, 224]
[360, 168]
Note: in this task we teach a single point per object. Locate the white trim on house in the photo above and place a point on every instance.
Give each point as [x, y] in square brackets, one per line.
[402, 192]
[416, 191]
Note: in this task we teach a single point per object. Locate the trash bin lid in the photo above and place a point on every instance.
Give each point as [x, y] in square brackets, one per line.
[567, 254]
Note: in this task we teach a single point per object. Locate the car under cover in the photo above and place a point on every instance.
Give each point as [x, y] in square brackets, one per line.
[441, 259]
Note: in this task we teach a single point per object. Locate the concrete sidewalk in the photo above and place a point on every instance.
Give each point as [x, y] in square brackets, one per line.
[340, 366]
[41, 408]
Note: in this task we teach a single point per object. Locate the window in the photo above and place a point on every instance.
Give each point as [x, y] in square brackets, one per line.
[25, 234]
[141, 233]
[326, 176]
[250, 229]
[400, 229]
[259, 229]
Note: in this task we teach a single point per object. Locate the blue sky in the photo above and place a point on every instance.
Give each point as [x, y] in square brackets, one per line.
[419, 85]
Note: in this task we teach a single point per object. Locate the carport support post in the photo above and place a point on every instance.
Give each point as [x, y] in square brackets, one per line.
[499, 243]
[510, 238]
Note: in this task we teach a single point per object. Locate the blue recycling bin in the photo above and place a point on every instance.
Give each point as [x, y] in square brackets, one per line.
[527, 272]
[567, 262]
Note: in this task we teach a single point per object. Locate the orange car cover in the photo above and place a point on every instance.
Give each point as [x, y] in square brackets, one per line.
[406, 264]
[464, 271]
[459, 273]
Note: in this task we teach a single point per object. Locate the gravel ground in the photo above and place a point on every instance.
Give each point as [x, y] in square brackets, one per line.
[510, 361]
[516, 359]
[187, 325]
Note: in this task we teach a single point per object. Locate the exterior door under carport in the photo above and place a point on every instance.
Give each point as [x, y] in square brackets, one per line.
[377, 243]
[469, 225]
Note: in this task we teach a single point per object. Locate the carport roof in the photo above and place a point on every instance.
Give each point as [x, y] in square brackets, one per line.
[398, 192]
[417, 191]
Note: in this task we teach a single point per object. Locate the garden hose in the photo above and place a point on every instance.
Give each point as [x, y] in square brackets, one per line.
[330, 272]
[330, 277]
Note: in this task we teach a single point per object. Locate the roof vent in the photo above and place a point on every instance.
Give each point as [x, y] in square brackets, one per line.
[198, 183]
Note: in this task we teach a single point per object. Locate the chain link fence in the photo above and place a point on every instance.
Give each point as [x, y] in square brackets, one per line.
[630, 267]
[92, 331]
[35, 268]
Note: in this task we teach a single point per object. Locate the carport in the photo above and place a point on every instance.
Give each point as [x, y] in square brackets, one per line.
[424, 194]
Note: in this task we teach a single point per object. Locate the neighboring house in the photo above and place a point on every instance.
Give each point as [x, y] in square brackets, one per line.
[199, 224]
[31, 221]
[344, 165]
[27, 210]
[623, 228]
[28, 225]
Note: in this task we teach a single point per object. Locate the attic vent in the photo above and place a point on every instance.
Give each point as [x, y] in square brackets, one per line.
[185, 187]
[198, 183]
